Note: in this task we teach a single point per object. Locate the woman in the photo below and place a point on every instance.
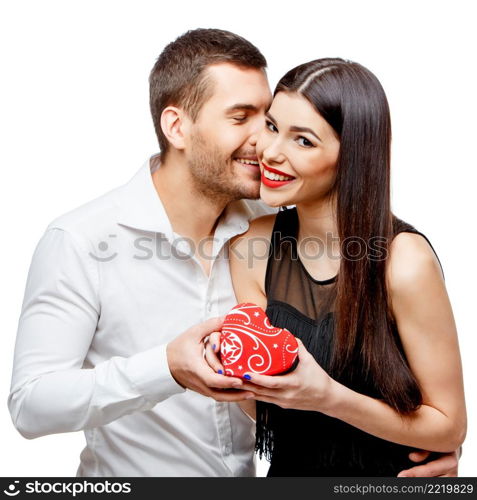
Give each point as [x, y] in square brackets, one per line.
[379, 371]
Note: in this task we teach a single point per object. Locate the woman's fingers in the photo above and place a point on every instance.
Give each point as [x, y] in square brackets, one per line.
[267, 399]
[269, 381]
[257, 389]
[214, 341]
[211, 354]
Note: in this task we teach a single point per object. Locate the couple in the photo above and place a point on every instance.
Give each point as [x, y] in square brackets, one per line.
[113, 282]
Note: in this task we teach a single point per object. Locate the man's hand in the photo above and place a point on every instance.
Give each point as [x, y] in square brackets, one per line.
[445, 466]
[185, 356]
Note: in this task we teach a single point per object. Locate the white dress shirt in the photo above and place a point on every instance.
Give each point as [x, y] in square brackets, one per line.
[110, 284]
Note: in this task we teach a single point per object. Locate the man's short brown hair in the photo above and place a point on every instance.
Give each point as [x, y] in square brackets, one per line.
[179, 79]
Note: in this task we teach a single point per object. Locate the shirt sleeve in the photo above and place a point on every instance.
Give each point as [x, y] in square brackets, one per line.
[50, 391]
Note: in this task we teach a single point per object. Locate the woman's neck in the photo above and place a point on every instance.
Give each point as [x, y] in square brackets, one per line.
[318, 239]
[318, 220]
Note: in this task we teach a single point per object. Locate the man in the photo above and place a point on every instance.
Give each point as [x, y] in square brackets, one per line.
[113, 282]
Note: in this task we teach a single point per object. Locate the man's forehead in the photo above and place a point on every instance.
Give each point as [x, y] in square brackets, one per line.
[239, 87]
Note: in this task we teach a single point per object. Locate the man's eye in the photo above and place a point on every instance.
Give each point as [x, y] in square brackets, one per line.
[303, 141]
[270, 126]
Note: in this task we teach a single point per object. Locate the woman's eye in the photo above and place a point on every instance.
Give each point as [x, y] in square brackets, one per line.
[239, 118]
[303, 141]
[271, 126]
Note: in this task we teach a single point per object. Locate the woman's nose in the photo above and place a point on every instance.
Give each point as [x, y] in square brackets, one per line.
[273, 152]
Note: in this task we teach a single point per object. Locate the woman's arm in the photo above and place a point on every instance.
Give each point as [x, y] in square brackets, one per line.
[426, 326]
[248, 261]
[427, 330]
[248, 264]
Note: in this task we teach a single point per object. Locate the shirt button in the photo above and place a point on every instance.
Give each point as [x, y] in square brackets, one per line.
[227, 448]
[209, 306]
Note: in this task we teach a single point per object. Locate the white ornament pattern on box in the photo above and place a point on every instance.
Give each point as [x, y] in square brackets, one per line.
[249, 343]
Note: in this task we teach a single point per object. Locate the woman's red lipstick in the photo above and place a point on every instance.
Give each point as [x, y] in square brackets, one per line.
[271, 183]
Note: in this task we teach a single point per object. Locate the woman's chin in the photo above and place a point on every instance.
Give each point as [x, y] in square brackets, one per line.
[273, 200]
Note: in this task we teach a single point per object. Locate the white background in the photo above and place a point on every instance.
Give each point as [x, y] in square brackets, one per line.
[75, 123]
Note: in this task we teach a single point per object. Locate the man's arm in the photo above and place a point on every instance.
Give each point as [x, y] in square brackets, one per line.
[51, 392]
[445, 466]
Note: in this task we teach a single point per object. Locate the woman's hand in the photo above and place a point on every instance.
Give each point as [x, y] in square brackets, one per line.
[308, 387]
[211, 350]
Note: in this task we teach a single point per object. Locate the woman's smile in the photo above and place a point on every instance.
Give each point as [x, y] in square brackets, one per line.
[274, 178]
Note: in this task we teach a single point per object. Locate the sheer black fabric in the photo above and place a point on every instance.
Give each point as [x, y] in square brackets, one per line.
[309, 443]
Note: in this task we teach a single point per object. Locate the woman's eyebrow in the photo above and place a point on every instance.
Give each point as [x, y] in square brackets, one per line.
[270, 117]
[294, 128]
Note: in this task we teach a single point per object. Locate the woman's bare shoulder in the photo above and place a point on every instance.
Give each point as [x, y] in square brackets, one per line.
[249, 254]
[262, 226]
[411, 262]
[258, 235]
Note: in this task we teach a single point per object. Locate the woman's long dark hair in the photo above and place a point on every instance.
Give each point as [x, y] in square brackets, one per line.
[366, 344]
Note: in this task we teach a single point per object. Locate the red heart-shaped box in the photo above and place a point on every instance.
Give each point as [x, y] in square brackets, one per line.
[250, 344]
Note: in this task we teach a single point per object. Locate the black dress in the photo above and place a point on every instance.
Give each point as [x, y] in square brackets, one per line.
[309, 443]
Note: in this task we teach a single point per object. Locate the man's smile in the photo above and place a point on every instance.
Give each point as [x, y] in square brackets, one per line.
[250, 163]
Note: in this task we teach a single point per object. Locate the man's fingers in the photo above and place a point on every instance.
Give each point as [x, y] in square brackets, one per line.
[218, 381]
[419, 456]
[230, 396]
[419, 471]
[207, 327]
[215, 380]
[207, 376]
[445, 465]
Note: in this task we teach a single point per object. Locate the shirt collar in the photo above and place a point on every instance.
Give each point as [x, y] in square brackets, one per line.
[140, 207]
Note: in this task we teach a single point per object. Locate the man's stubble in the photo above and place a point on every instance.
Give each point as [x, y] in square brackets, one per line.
[213, 173]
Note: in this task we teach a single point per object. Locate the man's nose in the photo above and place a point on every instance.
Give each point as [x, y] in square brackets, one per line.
[256, 128]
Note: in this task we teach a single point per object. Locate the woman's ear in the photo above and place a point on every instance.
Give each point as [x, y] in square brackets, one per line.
[175, 126]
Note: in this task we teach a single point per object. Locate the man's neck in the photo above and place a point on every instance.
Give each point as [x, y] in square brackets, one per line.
[191, 214]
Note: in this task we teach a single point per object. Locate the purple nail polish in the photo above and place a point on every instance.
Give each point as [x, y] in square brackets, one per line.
[220, 372]
[247, 377]
[213, 347]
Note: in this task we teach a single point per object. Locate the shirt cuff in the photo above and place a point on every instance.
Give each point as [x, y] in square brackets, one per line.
[150, 374]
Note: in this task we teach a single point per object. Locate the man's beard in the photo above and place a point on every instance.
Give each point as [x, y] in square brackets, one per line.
[213, 176]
